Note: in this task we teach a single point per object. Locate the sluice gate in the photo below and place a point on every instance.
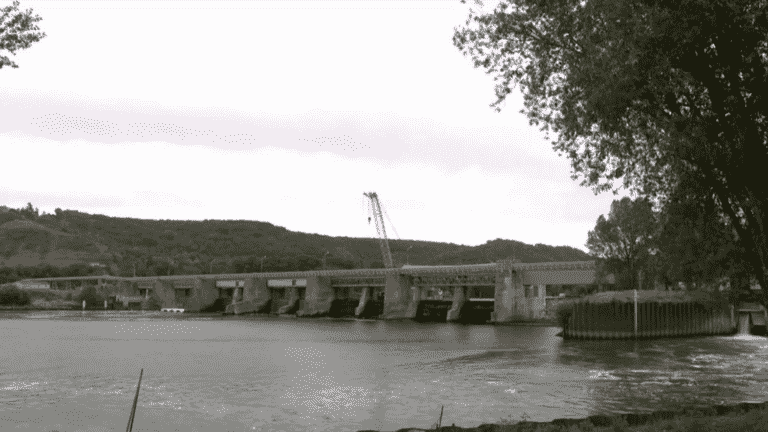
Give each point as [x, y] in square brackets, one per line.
[476, 311]
[361, 297]
[433, 310]
[752, 319]
[287, 295]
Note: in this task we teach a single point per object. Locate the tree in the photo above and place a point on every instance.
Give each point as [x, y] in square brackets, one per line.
[697, 244]
[91, 296]
[30, 212]
[624, 239]
[17, 31]
[647, 91]
[10, 295]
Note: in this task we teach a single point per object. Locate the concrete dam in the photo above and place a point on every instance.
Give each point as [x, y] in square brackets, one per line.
[497, 292]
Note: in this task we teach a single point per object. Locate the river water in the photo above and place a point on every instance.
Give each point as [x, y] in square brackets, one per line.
[77, 371]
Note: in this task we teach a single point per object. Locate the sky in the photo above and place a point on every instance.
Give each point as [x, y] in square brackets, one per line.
[283, 112]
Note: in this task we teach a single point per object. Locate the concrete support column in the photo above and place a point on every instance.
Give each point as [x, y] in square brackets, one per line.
[255, 290]
[203, 294]
[508, 292]
[237, 294]
[397, 297]
[164, 291]
[293, 297]
[413, 305]
[318, 297]
[365, 296]
[459, 297]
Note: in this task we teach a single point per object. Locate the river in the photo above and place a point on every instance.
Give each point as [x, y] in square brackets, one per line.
[77, 371]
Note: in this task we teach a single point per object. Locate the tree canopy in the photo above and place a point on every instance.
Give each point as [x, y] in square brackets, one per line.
[18, 30]
[646, 92]
[624, 239]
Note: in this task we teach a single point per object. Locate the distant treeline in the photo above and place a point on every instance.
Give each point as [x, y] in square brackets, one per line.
[13, 274]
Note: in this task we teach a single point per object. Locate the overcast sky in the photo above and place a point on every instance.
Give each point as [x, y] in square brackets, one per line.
[284, 112]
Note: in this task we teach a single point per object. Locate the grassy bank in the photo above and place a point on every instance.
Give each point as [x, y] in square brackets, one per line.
[543, 322]
[745, 417]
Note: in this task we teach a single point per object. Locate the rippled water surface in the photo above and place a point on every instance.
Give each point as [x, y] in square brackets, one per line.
[77, 371]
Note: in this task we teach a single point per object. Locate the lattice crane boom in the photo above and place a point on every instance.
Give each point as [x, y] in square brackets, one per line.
[377, 216]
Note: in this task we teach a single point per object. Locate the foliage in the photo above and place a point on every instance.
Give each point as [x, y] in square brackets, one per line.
[563, 313]
[29, 212]
[91, 296]
[697, 245]
[645, 91]
[17, 31]
[163, 247]
[704, 300]
[152, 303]
[624, 239]
[13, 296]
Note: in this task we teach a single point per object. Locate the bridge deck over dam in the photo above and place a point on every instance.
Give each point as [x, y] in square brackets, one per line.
[495, 292]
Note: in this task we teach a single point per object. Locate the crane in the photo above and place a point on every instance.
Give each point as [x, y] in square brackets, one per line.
[383, 242]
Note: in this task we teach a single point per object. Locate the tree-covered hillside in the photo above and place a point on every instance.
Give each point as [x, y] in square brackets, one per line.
[49, 244]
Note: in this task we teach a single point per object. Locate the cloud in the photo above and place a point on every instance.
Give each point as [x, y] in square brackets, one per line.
[306, 172]
[384, 137]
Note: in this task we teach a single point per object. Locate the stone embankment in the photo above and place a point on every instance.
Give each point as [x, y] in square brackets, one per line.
[619, 422]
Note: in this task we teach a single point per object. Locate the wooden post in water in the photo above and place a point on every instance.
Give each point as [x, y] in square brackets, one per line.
[129, 428]
[699, 321]
[579, 319]
[618, 318]
[576, 319]
[635, 314]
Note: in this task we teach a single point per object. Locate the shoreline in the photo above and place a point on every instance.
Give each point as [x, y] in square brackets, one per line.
[691, 418]
[526, 323]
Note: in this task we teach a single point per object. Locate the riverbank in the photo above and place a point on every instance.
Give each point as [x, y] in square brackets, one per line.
[743, 417]
[74, 306]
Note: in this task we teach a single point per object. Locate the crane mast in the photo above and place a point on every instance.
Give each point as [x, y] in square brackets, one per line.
[377, 215]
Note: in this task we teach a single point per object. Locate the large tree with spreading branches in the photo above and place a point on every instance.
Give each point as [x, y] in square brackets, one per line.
[644, 92]
[18, 30]
[624, 239]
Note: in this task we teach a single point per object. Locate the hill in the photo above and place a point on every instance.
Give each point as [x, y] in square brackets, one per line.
[159, 247]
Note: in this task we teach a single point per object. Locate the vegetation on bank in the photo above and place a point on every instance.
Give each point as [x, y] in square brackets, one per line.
[746, 417]
[12, 296]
